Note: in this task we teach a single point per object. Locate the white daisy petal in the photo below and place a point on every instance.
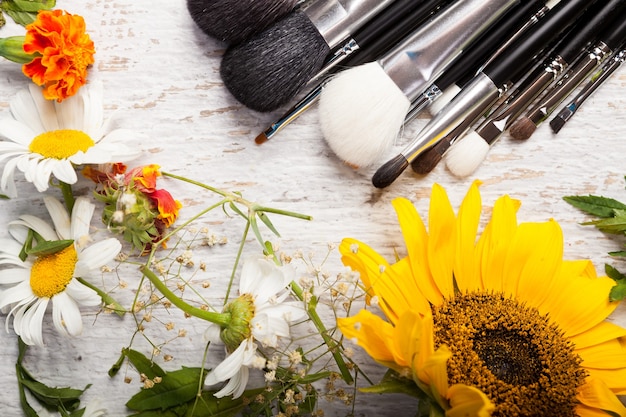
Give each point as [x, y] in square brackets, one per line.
[17, 132]
[59, 216]
[96, 256]
[13, 275]
[10, 249]
[68, 315]
[82, 294]
[81, 218]
[45, 110]
[65, 172]
[15, 294]
[28, 322]
[236, 385]
[32, 222]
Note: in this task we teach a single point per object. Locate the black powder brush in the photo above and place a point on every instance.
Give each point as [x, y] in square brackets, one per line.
[232, 21]
[269, 68]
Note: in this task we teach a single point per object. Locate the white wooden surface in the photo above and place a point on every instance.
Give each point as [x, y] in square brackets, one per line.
[161, 74]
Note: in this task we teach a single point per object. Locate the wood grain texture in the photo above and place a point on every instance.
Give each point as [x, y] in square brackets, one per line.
[161, 78]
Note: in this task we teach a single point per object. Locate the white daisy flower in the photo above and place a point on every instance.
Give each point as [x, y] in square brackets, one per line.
[27, 287]
[260, 314]
[47, 138]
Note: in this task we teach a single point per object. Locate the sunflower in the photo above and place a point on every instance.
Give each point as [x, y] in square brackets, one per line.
[48, 138]
[494, 325]
[29, 283]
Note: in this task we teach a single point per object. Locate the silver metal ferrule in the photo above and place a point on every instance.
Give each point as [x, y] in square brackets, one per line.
[576, 75]
[474, 99]
[338, 57]
[336, 20]
[415, 62]
[503, 116]
[419, 104]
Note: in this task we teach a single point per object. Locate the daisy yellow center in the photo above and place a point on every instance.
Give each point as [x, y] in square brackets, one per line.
[50, 274]
[61, 144]
[519, 358]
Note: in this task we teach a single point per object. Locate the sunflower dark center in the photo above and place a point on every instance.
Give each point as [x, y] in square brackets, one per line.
[518, 357]
[511, 357]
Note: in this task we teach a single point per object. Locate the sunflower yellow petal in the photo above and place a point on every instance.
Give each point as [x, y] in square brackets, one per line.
[600, 333]
[606, 355]
[371, 333]
[434, 373]
[595, 394]
[441, 240]
[399, 275]
[363, 259]
[416, 241]
[466, 271]
[494, 241]
[533, 259]
[580, 304]
[615, 379]
[466, 401]
[407, 336]
[584, 411]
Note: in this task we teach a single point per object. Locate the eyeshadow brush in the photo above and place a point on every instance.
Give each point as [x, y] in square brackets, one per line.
[269, 68]
[469, 152]
[609, 41]
[486, 87]
[232, 21]
[368, 53]
[592, 85]
[362, 109]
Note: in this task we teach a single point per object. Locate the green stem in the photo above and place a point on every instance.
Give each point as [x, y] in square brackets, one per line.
[333, 346]
[106, 298]
[237, 259]
[199, 184]
[68, 196]
[221, 319]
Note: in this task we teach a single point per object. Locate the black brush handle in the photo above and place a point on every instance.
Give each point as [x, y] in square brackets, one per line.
[376, 37]
[465, 67]
[615, 35]
[511, 63]
[588, 26]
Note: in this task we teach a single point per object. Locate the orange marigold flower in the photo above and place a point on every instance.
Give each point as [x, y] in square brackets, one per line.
[145, 177]
[63, 52]
[167, 206]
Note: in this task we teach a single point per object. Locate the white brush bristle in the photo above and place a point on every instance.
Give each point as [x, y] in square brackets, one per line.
[443, 99]
[361, 111]
[466, 154]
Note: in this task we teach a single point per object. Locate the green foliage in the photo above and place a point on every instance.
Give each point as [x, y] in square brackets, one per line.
[64, 400]
[611, 216]
[24, 12]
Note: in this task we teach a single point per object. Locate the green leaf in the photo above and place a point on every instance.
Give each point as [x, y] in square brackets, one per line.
[595, 205]
[265, 219]
[29, 5]
[49, 247]
[209, 405]
[392, 382]
[618, 291]
[176, 388]
[68, 398]
[618, 253]
[143, 364]
[615, 225]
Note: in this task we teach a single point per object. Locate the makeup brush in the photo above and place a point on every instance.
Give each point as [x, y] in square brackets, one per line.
[609, 41]
[592, 85]
[369, 52]
[232, 21]
[469, 152]
[485, 88]
[514, 24]
[362, 108]
[269, 68]
[511, 26]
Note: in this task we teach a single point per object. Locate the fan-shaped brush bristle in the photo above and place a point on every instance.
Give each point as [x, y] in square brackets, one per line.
[361, 111]
[466, 155]
[522, 129]
[267, 70]
[232, 21]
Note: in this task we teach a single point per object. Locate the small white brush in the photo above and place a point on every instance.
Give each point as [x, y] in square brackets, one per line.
[466, 155]
[362, 110]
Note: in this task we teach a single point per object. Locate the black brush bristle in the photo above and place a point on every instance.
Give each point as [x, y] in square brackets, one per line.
[271, 67]
[428, 160]
[388, 173]
[557, 124]
[232, 21]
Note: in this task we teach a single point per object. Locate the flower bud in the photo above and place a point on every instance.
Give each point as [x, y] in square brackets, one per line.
[12, 48]
[241, 311]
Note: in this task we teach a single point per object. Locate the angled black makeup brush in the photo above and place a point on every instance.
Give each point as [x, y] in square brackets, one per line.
[469, 152]
[362, 109]
[485, 88]
[588, 89]
[232, 21]
[370, 51]
[610, 39]
[269, 68]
